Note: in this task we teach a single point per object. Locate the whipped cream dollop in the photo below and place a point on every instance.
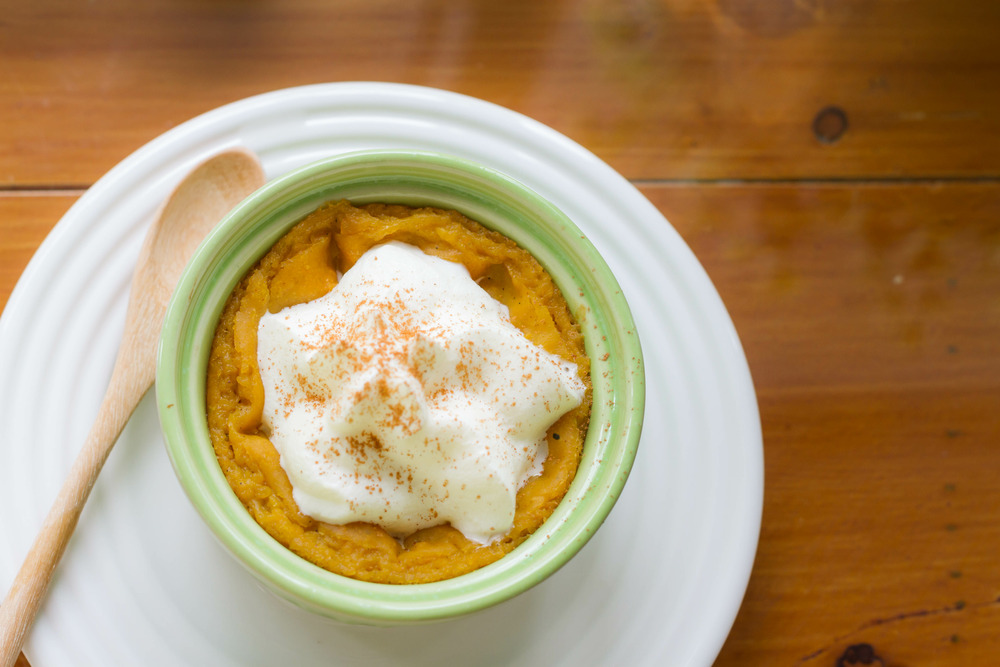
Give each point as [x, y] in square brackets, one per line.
[406, 398]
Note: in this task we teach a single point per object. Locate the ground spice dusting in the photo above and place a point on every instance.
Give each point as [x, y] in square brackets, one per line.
[345, 232]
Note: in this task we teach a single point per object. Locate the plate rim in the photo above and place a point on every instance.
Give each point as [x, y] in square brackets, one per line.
[740, 568]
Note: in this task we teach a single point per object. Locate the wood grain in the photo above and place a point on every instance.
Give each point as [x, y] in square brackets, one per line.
[687, 89]
[871, 325]
[834, 287]
[25, 221]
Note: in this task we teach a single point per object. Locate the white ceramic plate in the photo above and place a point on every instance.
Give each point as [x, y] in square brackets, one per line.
[144, 582]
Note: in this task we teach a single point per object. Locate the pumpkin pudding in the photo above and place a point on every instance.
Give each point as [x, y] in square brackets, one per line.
[397, 395]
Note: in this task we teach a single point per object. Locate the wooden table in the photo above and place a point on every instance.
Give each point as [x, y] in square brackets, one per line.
[834, 165]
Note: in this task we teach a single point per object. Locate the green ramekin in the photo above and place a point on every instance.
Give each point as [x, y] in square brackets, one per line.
[416, 179]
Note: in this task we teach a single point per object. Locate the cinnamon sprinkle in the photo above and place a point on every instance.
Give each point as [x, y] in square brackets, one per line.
[380, 370]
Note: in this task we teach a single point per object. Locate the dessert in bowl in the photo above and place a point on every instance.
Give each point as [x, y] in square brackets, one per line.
[257, 421]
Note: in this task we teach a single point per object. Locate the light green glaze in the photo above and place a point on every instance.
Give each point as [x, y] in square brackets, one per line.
[415, 179]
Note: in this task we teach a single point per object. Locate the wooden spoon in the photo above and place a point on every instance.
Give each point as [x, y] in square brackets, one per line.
[195, 206]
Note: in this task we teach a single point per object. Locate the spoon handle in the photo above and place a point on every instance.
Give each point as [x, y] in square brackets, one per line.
[17, 613]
